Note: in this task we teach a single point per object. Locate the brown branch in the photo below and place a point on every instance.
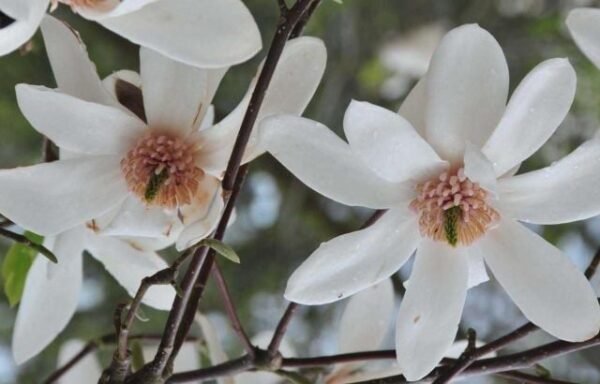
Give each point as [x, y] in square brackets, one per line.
[28, 243]
[226, 369]
[281, 329]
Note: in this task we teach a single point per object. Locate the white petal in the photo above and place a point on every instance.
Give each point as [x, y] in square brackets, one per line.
[352, 262]
[366, 319]
[536, 108]
[110, 8]
[300, 68]
[203, 220]
[203, 33]
[458, 347]
[564, 192]
[414, 106]
[467, 86]
[75, 191]
[213, 343]
[187, 87]
[78, 125]
[547, 287]
[73, 70]
[431, 308]
[129, 266]
[479, 169]
[325, 163]
[477, 272]
[49, 299]
[388, 143]
[28, 15]
[87, 370]
[136, 219]
[584, 24]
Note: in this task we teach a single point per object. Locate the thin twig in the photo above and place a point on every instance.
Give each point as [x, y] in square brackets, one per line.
[230, 309]
[226, 369]
[282, 328]
[28, 243]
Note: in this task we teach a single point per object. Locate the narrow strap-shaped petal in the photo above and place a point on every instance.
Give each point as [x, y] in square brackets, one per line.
[467, 86]
[300, 68]
[547, 287]
[355, 261]
[584, 25]
[129, 266]
[189, 89]
[325, 163]
[75, 191]
[73, 70]
[78, 125]
[389, 144]
[367, 318]
[28, 15]
[49, 299]
[564, 192]
[536, 108]
[414, 106]
[203, 33]
[431, 308]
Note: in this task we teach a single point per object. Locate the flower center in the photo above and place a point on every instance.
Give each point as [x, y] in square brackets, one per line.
[161, 169]
[453, 209]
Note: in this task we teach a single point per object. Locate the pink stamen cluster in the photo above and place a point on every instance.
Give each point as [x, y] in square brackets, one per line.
[103, 4]
[453, 189]
[167, 160]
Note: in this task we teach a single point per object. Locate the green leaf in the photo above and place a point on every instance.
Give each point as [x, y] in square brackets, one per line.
[222, 249]
[15, 267]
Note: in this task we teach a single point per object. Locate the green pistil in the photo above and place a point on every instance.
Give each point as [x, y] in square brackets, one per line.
[451, 218]
[156, 181]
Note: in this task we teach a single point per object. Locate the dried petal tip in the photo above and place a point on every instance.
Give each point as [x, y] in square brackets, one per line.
[453, 209]
[161, 169]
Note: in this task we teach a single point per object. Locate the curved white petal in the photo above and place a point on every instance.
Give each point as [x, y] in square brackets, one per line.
[87, 370]
[479, 169]
[325, 163]
[477, 272]
[78, 125]
[74, 191]
[300, 69]
[110, 8]
[129, 266]
[352, 262]
[216, 352]
[28, 15]
[564, 192]
[388, 144]
[203, 33]
[431, 308]
[176, 95]
[49, 299]
[414, 106]
[467, 86]
[73, 70]
[547, 287]
[366, 319]
[202, 225]
[584, 24]
[135, 218]
[536, 108]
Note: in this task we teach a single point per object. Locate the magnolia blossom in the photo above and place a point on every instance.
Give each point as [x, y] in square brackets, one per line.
[52, 291]
[145, 174]
[584, 24]
[443, 169]
[205, 33]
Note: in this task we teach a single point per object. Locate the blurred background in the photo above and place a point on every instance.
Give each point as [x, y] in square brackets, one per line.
[377, 49]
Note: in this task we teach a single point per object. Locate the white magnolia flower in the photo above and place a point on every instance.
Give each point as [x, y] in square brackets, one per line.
[88, 370]
[443, 172]
[132, 177]
[205, 33]
[52, 291]
[584, 24]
